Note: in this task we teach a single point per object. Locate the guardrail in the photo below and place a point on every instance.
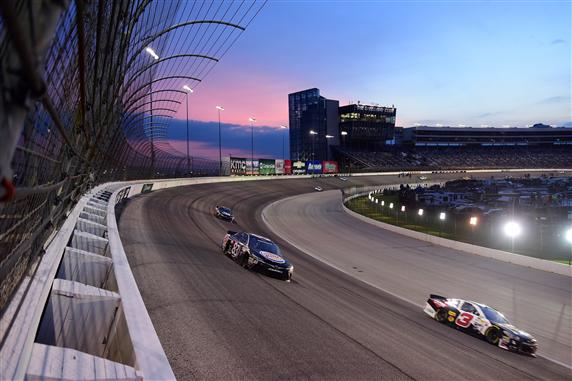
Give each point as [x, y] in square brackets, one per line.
[79, 314]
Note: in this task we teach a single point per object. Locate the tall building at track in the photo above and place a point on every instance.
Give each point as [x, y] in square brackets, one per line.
[365, 127]
[309, 111]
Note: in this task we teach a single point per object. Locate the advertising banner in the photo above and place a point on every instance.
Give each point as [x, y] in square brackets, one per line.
[330, 167]
[267, 167]
[279, 166]
[287, 167]
[313, 167]
[252, 169]
[237, 166]
[298, 168]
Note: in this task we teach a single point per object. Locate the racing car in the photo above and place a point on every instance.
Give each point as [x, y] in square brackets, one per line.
[224, 213]
[255, 252]
[480, 320]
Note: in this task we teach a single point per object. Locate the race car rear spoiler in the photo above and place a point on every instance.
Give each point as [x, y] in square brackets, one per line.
[433, 296]
[230, 232]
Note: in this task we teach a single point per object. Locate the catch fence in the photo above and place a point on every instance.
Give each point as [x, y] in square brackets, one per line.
[84, 101]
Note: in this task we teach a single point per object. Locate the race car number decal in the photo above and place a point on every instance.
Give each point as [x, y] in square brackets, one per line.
[464, 319]
[235, 249]
[272, 257]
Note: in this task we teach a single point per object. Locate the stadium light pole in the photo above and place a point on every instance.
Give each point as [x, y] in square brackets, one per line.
[313, 133]
[344, 134]
[155, 56]
[283, 128]
[473, 221]
[252, 120]
[188, 91]
[219, 108]
[568, 236]
[513, 230]
[442, 217]
[327, 150]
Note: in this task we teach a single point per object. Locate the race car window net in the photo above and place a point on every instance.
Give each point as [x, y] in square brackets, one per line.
[468, 307]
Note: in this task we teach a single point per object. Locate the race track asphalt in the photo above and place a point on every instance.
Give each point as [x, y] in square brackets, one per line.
[218, 321]
[536, 301]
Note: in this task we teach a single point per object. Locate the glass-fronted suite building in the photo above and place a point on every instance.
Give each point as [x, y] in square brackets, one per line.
[309, 111]
[537, 135]
[366, 127]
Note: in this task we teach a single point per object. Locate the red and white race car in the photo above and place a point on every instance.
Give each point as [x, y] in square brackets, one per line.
[480, 320]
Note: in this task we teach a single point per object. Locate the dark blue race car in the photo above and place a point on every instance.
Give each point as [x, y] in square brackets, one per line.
[257, 253]
[224, 213]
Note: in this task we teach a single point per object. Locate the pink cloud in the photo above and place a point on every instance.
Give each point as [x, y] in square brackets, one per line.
[242, 96]
[205, 150]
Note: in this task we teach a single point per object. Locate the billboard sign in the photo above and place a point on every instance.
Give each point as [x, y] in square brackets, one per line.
[287, 167]
[298, 167]
[313, 167]
[330, 167]
[279, 166]
[267, 167]
[237, 166]
[252, 169]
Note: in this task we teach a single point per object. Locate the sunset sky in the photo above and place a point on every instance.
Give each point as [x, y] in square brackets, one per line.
[473, 63]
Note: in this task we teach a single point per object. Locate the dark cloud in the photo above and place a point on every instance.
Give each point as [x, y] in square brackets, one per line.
[555, 99]
[267, 140]
[488, 114]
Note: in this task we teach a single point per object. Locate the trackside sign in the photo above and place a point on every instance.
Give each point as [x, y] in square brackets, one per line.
[298, 168]
[287, 167]
[313, 167]
[279, 166]
[237, 166]
[252, 167]
[330, 167]
[267, 167]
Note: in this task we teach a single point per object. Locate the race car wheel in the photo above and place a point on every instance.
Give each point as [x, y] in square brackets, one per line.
[441, 315]
[493, 335]
[227, 248]
[244, 260]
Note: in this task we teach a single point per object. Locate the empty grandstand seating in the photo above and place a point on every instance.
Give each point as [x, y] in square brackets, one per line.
[443, 158]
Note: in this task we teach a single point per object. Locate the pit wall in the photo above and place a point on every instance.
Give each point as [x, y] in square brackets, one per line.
[79, 313]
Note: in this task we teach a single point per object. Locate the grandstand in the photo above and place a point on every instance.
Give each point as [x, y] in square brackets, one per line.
[442, 148]
[539, 134]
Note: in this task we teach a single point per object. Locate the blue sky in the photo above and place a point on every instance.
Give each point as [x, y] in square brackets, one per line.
[473, 63]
